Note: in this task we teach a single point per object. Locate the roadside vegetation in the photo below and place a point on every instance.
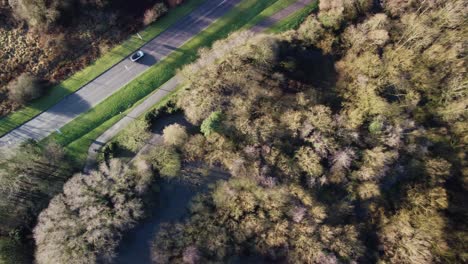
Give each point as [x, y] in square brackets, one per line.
[77, 135]
[345, 139]
[85, 223]
[32, 174]
[44, 53]
[339, 149]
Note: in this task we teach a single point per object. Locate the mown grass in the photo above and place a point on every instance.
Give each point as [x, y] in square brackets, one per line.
[294, 20]
[80, 151]
[79, 134]
[102, 64]
[271, 10]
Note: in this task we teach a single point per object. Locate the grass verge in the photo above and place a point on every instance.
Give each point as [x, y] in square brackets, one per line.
[79, 79]
[294, 20]
[271, 10]
[79, 134]
[80, 150]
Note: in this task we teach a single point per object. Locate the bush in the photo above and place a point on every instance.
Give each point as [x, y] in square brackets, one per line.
[212, 123]
[154, 13]
[39, 13]
[24, 89]
[195, 148]
[134, 136]
[175, 135]
[166, 160]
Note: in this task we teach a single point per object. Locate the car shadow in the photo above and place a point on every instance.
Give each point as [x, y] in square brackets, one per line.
[147, 60]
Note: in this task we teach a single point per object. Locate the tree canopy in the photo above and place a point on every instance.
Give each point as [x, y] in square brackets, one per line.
[345, 140]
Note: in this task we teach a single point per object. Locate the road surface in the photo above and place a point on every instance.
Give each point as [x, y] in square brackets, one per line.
[172, 84]
[119, 75]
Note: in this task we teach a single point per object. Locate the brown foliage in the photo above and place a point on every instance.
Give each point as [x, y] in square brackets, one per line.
[154, 13]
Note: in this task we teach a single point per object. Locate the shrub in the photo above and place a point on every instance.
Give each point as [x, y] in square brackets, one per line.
[175, 135]
[134, 136]
[39, 13]
[24, 89]
[168, 108]
[212, 123]
[194, 148]
[154, 13]
[166, 160]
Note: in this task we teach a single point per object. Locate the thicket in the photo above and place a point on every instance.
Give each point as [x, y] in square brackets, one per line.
[134, 136]
[44, 15]
[346, 141]
[24, 89]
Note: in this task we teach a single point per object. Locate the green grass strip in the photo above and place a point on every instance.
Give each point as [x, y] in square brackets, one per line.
[271, 10]
[294, 20]
[79, 79]
[78, 149]
[76, 131]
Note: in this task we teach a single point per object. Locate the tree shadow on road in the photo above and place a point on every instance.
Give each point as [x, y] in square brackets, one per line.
[70, 106]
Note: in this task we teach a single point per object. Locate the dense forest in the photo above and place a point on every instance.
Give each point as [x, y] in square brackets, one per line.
[42, 42]
[345, 141]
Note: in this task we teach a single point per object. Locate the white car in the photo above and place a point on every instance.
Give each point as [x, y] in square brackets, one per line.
[137, 55]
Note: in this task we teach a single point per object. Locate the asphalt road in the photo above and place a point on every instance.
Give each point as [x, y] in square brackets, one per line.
[170, 86]
[119, 75]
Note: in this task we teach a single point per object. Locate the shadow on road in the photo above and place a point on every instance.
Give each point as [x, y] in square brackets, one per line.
[148, 60]
[71, 105]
